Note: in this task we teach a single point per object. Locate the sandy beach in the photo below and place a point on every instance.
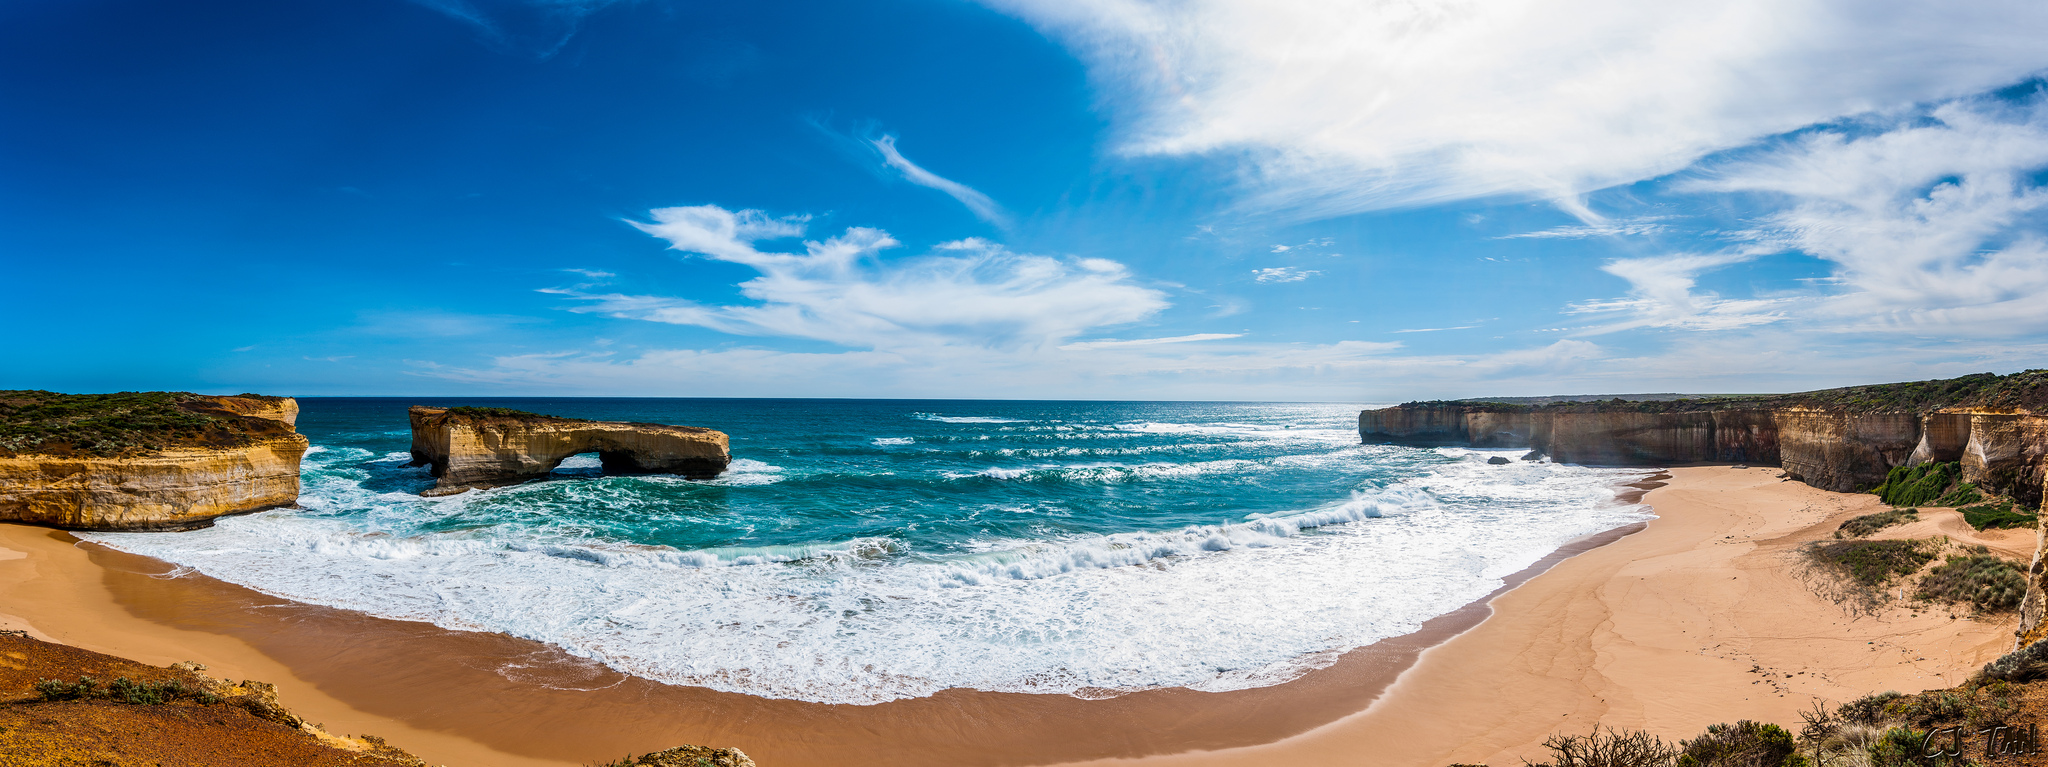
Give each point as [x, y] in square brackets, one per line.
[1695, 618]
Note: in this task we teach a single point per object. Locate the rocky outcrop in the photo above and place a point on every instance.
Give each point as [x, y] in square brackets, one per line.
[473, 447]
[170, 488]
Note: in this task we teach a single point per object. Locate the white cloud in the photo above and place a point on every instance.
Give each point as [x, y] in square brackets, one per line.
[1431, 330]
[1112, 343]
[838, 291]
[1933, 220]
[1632, 227]
[1337, 106]
[984, 208]
[1283, 274]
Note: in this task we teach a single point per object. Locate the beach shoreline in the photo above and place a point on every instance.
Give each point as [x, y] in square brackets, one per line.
[462, 698]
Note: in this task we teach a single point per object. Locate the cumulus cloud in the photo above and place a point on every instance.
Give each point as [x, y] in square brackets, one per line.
[1337, 106]
[1283, 274]
[838, 290]
[984, 208]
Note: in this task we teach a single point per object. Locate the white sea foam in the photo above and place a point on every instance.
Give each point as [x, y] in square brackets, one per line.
[964, 418]
[1243, 602]
[887, 441]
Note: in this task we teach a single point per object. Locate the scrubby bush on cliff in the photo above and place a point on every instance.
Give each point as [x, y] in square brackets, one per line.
[123, 690]
[1871, 523]
[2022, 665]
[502, 412]
[1917, 485]
[1964, 494]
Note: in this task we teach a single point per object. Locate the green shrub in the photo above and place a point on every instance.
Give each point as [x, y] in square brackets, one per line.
[1871, 523]
[2022, 665]
[1743, 744]
[1918, 485]
[1989, 516]
[1963, 495]
[1984, 580]
[1871, 563]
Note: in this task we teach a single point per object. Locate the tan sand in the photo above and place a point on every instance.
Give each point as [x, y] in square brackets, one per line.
[1698, 619]
[1658, 629]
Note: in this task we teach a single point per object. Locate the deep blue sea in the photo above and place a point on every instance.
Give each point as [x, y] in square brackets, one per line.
[860, 551]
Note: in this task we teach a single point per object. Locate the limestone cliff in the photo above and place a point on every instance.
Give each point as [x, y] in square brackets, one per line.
[483, 447]
[153, 461]
[1839, 439]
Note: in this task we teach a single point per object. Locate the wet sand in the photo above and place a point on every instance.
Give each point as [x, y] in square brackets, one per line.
[1542, 656]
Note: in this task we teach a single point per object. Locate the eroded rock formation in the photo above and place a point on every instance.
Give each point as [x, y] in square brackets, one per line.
[470, 448]
[169, 487]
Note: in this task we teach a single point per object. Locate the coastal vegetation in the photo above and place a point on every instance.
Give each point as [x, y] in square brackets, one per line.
[2025, 390]
[1988, 582]
[1997, 515]
[1872, 563]
[1870, 523]
[503, 412]
[1985, 720]
[124, 424]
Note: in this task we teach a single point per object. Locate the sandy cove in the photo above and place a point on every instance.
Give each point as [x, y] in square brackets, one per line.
[1696, 618]
[1659, 631]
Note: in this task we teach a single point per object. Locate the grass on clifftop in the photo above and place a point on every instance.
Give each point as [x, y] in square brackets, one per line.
[2025, 390]
[504, 412]
[125, 424]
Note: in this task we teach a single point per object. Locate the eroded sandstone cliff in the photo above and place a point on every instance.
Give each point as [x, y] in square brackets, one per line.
[197, 459]
[1841, 439]
[470, 448]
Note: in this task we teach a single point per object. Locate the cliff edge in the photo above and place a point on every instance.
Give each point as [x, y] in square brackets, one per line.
[145, 460]
[488, 447]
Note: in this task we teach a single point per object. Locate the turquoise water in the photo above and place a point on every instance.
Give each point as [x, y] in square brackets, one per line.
[861, 551]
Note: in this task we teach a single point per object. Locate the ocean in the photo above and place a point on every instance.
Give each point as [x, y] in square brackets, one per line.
[861, 551]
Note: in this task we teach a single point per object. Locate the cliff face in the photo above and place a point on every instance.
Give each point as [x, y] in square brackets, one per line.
[1831, 449]
[175, 488]
[467, 451]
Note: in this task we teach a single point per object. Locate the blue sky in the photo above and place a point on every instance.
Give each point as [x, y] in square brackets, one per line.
[1115, 199]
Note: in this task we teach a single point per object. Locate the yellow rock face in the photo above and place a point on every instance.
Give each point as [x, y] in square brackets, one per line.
[176, 489]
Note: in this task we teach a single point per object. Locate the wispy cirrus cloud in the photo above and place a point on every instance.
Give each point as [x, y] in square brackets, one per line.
[1334, 106]
[1112, 343]
[982, 206]
[1934, 221]
[537, 28]
[1628, 228]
